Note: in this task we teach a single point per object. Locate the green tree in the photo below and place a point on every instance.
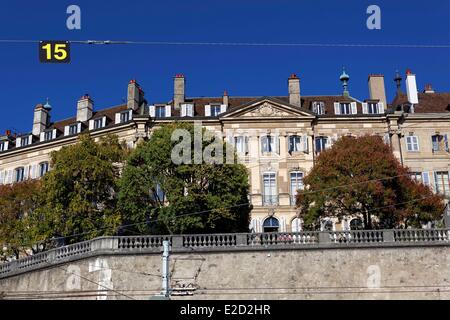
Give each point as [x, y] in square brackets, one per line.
[79, 194]
[17, 202]
[361, 177]
[217, 192]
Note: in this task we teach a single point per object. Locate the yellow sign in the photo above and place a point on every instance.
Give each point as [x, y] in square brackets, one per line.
[54, 51]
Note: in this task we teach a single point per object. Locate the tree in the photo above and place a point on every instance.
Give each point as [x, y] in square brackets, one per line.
[361, 177]
[164, 194]
[79, 195]
[17, 202]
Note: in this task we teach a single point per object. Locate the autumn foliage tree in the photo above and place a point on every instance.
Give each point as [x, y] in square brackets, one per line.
[361, 177]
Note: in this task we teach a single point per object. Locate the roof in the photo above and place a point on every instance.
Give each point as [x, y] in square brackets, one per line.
[428, 102]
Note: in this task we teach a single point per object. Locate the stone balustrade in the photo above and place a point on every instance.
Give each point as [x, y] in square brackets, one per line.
[227, 242]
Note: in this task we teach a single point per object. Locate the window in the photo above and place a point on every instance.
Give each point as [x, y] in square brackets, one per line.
[268, 144]
[187, 110]
[440, 142]
[19, 174]
[271, 224]
[269, 189]
[296, 225]
[417, 176]
[73, 129]
[48, 135]
[321, 144]
[2, 146]
[160, 111]
[240, 143]
[215, 110]
[98, 123]
[442, 183]
[24, 141]
[295, 143]
[43, 169]
[124, 117]
[412, 143]
[345, 108]
[158, 194]
[296, 184]
[372, 108]
[318, 108]
[356, 224]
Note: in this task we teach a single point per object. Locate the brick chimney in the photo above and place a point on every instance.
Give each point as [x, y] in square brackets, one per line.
[376, 88]
[294, 90]
[225, 98]
[85, 107]
[411, 87]
[428, 88]
[135, 95]
[41, 119]
[178, 90]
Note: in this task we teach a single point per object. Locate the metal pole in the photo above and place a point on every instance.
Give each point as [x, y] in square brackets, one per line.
[165, 270]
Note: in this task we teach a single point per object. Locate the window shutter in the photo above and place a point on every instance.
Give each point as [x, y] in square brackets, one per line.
[446, 142]
[54, 133]
[26, 170]
[365, 108]
[91, 124]
[33, 171]
[354, 110]
[103, 122]
[42, 136]
[426, 178]
[207, 110]
[380, 107]
[66, 129]
[2, 176]
[305, 143]
[152, 111]
[337, 110]
[190, 110]
[6, 145]
[168, 111]
[223, 108]
[79, 127]
[18, 140]
[183, 110]
[436, 182]
[246, 144]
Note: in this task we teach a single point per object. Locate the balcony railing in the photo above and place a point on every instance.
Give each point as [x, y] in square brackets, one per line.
[152, 244]
[270, 200]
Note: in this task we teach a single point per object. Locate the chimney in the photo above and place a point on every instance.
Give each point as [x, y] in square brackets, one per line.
[376, 88]
[178, 91]
[135, 96]
[225, 98]
[411, 87]
[84, 108]
[428, 88]
[41, 119]
[294, 90]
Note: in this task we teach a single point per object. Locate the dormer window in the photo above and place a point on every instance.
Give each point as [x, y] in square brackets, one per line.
[4, 145]
[124, 116]
[98, 123]
[48, 135]
[345, 108]
[187, 110]
[160, 111]
[373, 108]
[318, 107]
[23, 141]
[73, 129]
[214, 110]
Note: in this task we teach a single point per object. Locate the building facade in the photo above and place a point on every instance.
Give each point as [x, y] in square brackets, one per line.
[277, 137]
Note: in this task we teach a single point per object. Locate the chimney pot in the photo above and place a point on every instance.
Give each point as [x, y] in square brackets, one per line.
[84, 108]
[178, 91]
[377, 90]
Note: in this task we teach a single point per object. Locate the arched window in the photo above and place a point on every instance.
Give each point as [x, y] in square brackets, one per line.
[43, 168]
[326, 225]
[356, 224]
[296, 225]
[271, 224]
[19, 174]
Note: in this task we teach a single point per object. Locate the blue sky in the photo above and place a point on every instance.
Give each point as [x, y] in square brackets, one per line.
[104, 71]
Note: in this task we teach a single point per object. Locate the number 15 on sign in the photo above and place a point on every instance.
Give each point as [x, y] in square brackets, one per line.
[54, 51]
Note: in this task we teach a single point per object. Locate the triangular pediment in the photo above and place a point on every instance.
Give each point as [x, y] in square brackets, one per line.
[266, 108]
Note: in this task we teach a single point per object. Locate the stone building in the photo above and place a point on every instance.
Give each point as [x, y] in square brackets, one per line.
[277, 137]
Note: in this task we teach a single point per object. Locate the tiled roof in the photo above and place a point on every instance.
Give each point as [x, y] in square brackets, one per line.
[428, 102]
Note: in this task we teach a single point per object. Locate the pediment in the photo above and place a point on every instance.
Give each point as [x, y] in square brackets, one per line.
[267, 108]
